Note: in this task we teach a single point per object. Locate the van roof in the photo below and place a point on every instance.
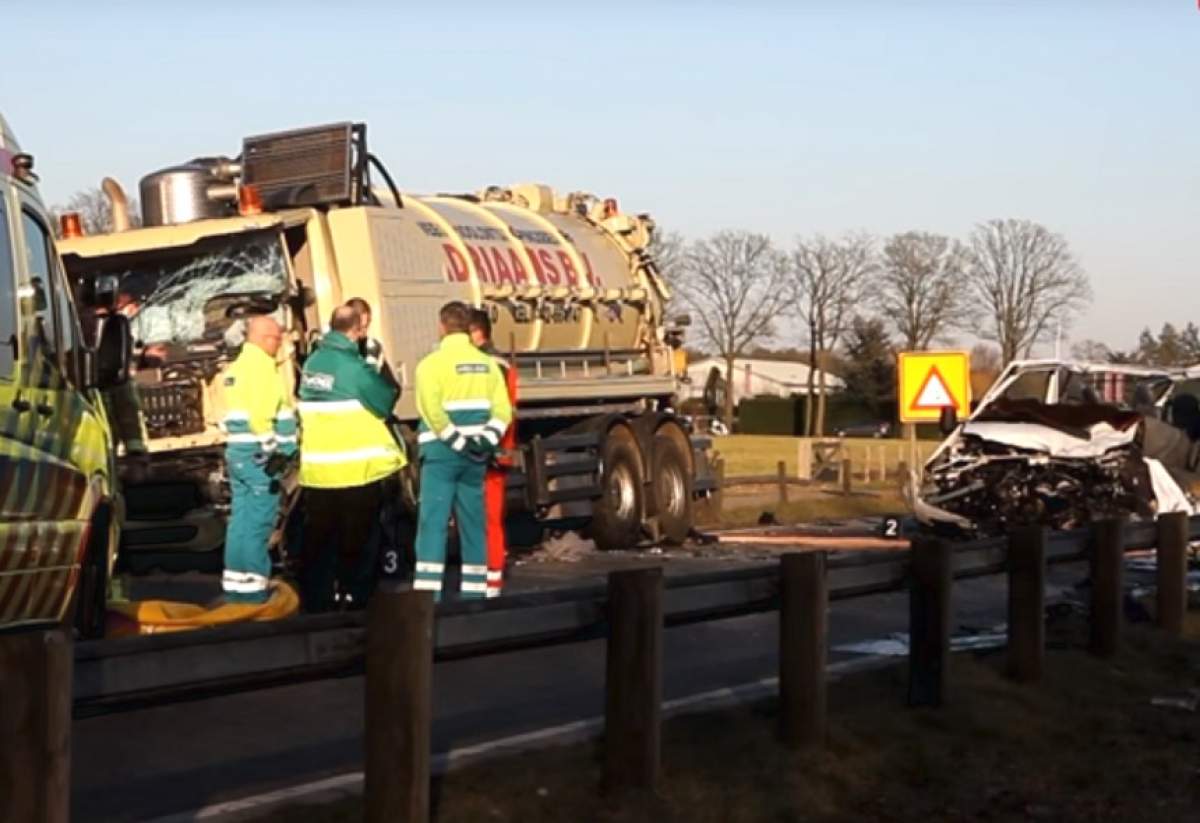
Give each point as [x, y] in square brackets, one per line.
[8, 140]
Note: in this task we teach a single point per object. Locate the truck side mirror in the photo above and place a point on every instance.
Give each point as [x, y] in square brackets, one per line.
[948, 420]
[109, 365]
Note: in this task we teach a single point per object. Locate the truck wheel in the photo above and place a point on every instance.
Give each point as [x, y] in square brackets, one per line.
[617, 515]
[671, 487]
[90, 598]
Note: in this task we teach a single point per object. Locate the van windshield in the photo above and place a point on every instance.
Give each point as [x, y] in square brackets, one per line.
[189, 294]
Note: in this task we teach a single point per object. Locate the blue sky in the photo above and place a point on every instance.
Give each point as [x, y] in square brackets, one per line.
[789, 118]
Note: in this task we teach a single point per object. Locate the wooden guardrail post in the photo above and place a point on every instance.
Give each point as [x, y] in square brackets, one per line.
[804, 458]
[399, 707]
[1171, 571]
[35, 726]
[929, 621]
[783, 481]
[1026, 603]
[719, 494]
[1107, 550]
[633, 705]
[846, 479]
[803, 632]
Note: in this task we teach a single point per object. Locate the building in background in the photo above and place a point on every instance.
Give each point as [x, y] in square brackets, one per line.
[754, 376]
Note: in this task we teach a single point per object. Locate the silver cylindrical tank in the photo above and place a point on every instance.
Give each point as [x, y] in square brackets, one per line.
[180, 194]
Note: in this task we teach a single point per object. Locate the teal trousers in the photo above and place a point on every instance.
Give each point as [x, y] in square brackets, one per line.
[255, 510]
[451, 485]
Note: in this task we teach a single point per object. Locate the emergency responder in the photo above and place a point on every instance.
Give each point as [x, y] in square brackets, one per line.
[260, 423]
[480, 328]
[464, 410]
[347, 455]
[370, 348]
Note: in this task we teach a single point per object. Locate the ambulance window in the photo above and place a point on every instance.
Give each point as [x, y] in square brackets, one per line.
[8, 298]
[40, 270]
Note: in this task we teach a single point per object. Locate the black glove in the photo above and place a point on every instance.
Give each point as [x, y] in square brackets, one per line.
[277, 463]
[479, 449]
[372, 351]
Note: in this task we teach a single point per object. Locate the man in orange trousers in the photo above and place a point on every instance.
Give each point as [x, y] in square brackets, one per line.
[480, 328]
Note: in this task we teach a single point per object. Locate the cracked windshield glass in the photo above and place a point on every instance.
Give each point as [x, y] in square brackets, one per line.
[194, 294]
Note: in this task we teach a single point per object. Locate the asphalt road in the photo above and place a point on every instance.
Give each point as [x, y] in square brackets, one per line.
[171, 759]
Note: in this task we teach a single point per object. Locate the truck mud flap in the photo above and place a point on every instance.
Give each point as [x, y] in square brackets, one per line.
[704, 481]
[555, 470]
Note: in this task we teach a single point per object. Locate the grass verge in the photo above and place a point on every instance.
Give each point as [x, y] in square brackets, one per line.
[754, 454]
[1086, 744]
[812, 507]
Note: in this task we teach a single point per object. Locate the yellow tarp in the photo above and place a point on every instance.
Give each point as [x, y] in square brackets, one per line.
[158, 616]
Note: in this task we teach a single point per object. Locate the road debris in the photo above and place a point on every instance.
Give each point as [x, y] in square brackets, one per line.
[1187, 703]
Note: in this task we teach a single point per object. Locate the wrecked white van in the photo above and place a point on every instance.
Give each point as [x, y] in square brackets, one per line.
[1063, 443]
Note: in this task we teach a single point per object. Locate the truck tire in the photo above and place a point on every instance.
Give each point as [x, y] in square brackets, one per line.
[89, 601]
[617, 515]
[671, 490]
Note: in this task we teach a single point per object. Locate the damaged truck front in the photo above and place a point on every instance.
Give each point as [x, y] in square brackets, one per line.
[186, 290]
[1064, 443]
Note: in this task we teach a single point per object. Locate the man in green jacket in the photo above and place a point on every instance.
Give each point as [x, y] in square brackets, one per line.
[346, 454]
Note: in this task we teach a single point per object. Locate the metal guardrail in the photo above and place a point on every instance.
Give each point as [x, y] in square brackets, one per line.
[123, 673]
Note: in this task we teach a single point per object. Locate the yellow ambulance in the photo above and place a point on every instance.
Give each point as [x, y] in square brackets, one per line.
[59, 507]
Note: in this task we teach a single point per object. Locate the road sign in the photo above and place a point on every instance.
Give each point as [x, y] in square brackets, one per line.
[931, 381]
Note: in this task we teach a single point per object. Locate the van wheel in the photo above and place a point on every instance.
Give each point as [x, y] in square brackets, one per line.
[671, 488]
[90, 599]
[617, 515]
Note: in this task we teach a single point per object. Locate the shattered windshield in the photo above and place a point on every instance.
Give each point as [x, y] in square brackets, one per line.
[185, 295]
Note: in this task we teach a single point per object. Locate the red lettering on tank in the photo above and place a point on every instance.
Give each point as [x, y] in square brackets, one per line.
[456, 264]
[518, 268]
[503, 274]
[550, 273]
[481, 265]
[592, 279]
[568, 268]
[538, 272]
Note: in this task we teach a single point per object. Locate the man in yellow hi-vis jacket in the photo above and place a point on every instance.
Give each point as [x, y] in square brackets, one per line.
[463, 403]
[259, 421]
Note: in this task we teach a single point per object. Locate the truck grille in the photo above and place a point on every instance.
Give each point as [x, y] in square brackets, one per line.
[172, 409]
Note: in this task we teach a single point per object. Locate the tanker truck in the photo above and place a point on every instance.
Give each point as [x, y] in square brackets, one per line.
[303, 220]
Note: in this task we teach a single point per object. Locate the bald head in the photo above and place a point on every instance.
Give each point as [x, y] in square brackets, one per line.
[348, 321]
[264, 332]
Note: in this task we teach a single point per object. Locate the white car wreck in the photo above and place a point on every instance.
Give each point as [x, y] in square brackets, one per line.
[1063, 443]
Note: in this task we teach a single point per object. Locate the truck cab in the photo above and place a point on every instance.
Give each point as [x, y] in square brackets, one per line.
[60, 508]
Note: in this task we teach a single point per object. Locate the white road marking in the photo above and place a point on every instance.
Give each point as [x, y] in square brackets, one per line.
[350, 783]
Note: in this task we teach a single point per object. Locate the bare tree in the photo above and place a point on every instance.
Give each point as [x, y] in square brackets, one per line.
[829, 280]
[733, 283]
[668, 250]
[920, 287]
[1092, 351]
[1025, 283]
[95, 211]
[985, 368]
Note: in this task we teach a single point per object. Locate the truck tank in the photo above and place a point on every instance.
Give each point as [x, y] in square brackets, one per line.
[574, 299]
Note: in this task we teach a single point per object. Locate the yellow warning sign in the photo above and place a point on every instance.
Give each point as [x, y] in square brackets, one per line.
[930, 381]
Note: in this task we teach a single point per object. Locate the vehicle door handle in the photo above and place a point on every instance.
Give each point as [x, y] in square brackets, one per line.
[44, 410]
[21, 406]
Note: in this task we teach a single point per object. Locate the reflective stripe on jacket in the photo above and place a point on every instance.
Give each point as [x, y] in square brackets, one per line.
[343, 405]
[258, 415]
[462, 400]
